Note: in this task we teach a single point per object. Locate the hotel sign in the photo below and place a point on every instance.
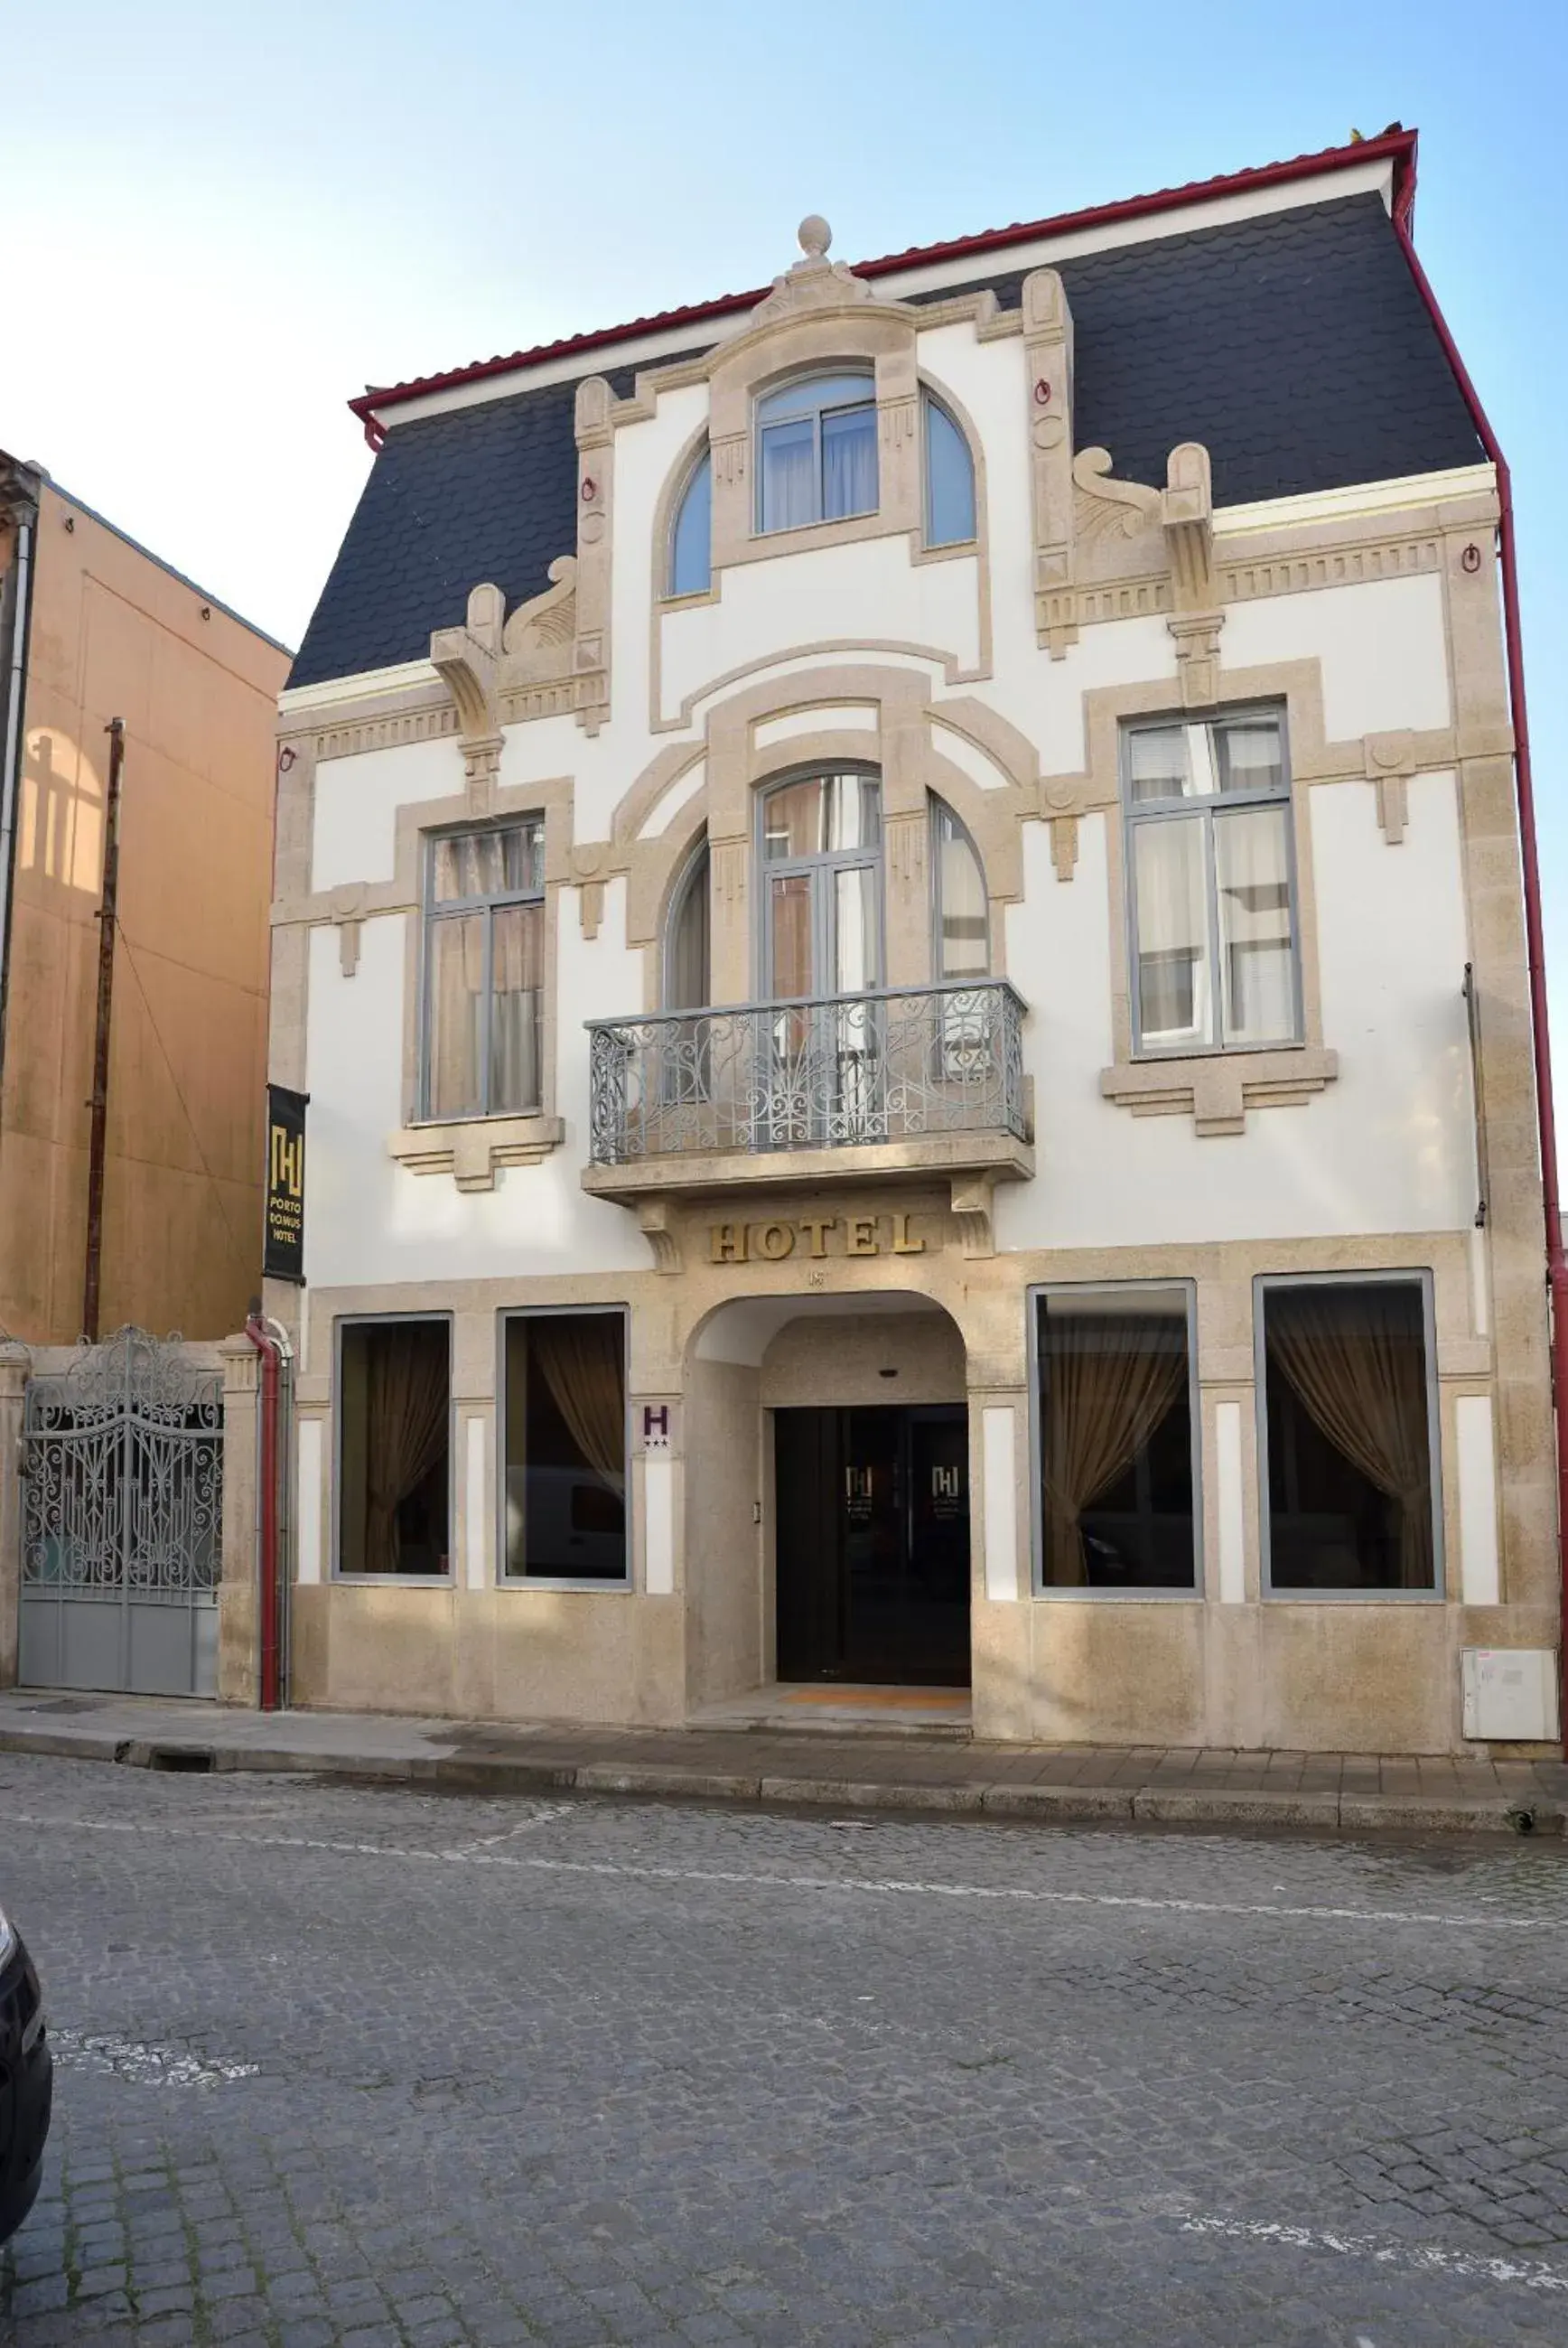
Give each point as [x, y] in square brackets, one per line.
[284, 1256]
[813, 1236]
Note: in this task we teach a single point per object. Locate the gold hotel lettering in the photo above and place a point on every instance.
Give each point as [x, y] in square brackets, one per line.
[771, 1243]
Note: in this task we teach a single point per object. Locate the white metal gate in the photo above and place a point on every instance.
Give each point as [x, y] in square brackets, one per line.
[122, 1457]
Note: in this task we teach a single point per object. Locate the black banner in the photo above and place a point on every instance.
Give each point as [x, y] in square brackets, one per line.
[284, 1256]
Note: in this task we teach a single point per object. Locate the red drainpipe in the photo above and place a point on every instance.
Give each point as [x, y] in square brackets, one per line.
[267, 1345]
[1556, 1265]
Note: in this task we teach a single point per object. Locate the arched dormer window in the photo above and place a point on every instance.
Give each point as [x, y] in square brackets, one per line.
[949, 478]
[816, 451]
[960, 932]
[688, 976]
[692, 533]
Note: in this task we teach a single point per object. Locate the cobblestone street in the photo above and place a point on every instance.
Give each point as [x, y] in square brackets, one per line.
[345, 2066]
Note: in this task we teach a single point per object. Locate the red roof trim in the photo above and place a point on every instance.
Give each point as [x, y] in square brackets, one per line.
[1397, 147]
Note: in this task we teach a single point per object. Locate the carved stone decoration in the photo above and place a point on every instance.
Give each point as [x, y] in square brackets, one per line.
[1218, 1090]
[973, 1199]
[473, 1151]
[595, 484]
[1390, 763]
[538, 637]
[1197, 636]
[1064, 845]
[1047, 366]
[812, 282]
[656, 1221]
[1108, 506]
[1187, 517]
[348, 908]
[589, 863]
[467, 660]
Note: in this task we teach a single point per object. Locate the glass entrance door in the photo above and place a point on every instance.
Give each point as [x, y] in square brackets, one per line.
[873, 1544]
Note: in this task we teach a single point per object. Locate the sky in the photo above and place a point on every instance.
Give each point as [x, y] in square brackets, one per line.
[221, 220]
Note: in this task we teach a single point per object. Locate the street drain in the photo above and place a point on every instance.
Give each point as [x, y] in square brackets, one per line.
[179, 1756]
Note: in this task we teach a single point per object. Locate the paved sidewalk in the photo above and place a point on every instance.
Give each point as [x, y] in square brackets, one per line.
[860, 1769]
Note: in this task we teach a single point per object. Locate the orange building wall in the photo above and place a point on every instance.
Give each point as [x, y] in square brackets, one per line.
[115, 634]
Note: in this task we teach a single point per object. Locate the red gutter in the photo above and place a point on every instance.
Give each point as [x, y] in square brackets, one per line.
[1556, 1264]
[1397, 147]
[267, 1345]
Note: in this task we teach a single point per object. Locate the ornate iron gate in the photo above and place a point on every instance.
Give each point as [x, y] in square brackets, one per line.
[122, 1456]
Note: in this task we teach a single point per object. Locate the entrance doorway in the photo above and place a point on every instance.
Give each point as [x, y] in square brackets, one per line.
[872, 1511]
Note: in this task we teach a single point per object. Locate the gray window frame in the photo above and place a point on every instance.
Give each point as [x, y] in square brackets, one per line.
[671, 593]
[829, 861]
[1403, 1274]
[502, 1578]
[448, 1579]
[816, 411]
[938, 807]
[1172, 810]
[929, 400]
[699, 851]
[1145, 1594]
[460, 908]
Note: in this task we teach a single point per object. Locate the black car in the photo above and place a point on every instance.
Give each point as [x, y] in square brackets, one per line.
[27, 2081]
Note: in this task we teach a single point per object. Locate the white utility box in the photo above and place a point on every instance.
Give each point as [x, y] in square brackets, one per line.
[1511, 1695]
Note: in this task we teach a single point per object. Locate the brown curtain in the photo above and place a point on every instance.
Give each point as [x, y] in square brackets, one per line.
[1110, 1379]
[581, 1357]
[1356, 1359]
[458, 992]
[405, 1428]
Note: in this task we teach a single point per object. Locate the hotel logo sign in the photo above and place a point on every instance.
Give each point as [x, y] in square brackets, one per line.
[284, 1257]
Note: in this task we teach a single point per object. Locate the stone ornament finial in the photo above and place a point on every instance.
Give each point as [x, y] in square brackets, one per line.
[813, 281]
[815, 236]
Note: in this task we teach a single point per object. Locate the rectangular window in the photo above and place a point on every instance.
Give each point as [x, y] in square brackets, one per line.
[1210, 884]
[1346, 1389]
[394, 1409]
[566, 1448]
[1116, 1418]
[484, 972]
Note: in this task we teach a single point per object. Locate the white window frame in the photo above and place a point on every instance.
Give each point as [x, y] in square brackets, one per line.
[1209, 807]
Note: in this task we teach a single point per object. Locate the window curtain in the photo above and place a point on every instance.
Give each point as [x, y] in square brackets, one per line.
[789, 476]
[456, 1001]
[1355, 1357]
[405, 1428]
[1172, 891]
[581, 1357]
[1254, 878]
[849, 464]
[517, 974]
[1110, 1378]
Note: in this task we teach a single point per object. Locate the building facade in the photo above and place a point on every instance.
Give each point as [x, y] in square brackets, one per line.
[899, 904]
[94, 628]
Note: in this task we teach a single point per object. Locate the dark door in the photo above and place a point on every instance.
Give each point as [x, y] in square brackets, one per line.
[873, 1544]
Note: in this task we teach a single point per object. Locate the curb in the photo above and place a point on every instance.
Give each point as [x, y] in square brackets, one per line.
[1168, 1806]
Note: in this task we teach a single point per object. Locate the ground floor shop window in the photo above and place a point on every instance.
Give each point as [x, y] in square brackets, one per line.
[395, 1387]
[1349, 1410]
[565, 1411]
[1114, 1417]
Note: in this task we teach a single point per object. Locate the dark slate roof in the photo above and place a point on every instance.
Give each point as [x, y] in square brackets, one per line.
[1295, 346]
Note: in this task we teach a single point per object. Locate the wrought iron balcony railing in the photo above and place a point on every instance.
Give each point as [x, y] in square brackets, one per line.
[840, 1074]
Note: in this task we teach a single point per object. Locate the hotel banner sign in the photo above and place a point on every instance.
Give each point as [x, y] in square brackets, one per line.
[284, 1255]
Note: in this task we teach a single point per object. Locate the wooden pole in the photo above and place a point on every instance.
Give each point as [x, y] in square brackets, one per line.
[99, 1104]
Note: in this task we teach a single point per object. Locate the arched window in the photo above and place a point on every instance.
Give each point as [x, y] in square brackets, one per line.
[961, 938]
[692, 536]
[949, 478]
[822, 868]
[688, 977]
[816, 451]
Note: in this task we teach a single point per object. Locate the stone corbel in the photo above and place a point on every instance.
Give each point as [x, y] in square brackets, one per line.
[1197, 636]
[595, 485]
[590, 864]
[1048, 360]
[472, 1150]
[469, 660]
[1187, 517]
[1390, 763]
[1218, 1090]
[656, 1221]
[973, 1200]
[347, 903]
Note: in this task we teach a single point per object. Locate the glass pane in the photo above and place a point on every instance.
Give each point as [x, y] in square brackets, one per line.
[488, 863]
[566, 1446]
[1349, 1463]
[849, 463]
[1170, 912]
[813, 391]
[960, 902]
[394, 1406]
[687, 974]
[857, 945]
[517, 950]
[1116, 1447]
[691, 550]
[456, 983]
[1157, 763]
[1253, 870]
[793, 818]
[1248, 754]
[793, 971]
[950, 480]
[788, 457]
[854, 812]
